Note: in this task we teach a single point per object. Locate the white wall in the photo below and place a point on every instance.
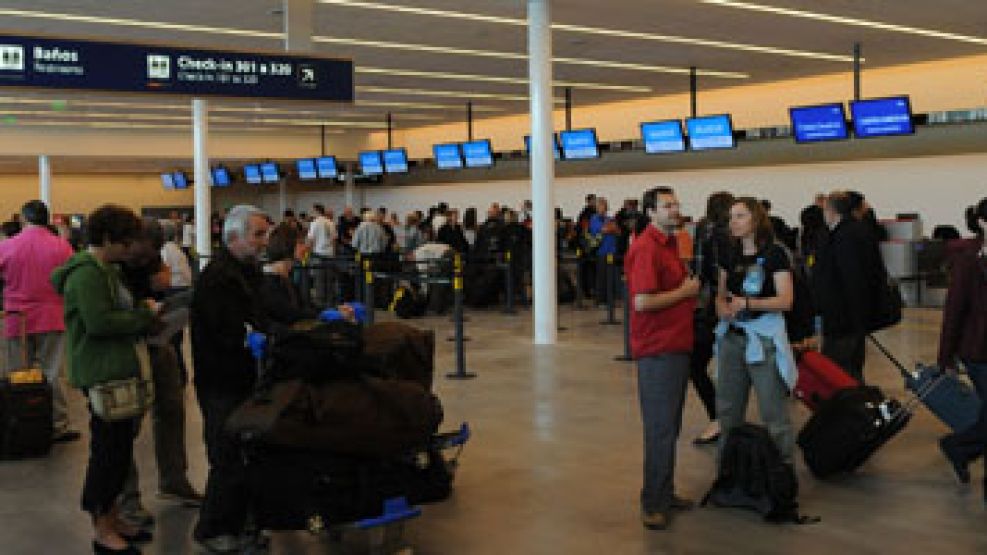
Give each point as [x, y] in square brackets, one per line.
[938, 187]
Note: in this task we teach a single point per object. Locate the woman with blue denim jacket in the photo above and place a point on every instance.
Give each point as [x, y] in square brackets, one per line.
[752, 348]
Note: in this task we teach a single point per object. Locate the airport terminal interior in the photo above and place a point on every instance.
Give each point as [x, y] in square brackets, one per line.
[533, 197]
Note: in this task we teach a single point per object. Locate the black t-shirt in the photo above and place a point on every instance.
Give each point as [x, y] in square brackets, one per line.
[741, 268]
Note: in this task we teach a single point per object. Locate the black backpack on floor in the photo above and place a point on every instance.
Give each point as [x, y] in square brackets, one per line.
[752, 475]
[408, 303]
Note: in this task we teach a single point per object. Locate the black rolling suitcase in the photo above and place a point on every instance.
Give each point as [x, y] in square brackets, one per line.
[311, 490]
[25, 405]
[848, 428]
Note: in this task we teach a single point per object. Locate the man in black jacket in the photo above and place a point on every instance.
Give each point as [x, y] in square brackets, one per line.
[226, 300]
[848, 280]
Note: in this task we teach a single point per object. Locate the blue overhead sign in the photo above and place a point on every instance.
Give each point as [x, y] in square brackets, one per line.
[88, 65]
[826, 122]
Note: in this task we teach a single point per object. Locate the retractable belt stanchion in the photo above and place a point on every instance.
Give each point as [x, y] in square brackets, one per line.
[611, 301]
[509, 283]
[357, 277]
[626, 357]
[457, 288]
[368, 296]
[578, 280]
[457, 316]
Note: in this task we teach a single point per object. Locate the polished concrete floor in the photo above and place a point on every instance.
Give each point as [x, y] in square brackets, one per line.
[555, 463]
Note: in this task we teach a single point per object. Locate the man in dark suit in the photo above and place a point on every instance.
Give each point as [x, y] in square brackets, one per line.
[848, 280]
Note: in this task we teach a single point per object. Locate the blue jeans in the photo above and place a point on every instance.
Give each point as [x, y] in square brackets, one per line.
[661, 384]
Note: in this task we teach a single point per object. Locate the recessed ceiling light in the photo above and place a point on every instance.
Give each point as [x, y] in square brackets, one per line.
[608, 64]
[138, 23]
[494, 79]
[848, 21]
[590, 30]
[464, 95]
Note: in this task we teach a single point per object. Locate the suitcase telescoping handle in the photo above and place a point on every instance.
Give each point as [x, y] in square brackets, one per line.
[901, 367]
[22, 334]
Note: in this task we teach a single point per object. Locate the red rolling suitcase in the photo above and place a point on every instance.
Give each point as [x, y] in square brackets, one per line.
[819, 378]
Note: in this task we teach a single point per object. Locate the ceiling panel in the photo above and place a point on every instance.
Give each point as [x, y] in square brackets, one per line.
[689, 19]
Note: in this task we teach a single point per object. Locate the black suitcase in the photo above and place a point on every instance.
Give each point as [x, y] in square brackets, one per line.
[848, 428]
[25, 409]
[308, 490]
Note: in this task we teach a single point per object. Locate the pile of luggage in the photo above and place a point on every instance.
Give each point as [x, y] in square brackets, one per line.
[850, 421]
[343, 419]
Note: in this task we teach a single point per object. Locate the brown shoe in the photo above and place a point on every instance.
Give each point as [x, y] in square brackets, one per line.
[655, 521]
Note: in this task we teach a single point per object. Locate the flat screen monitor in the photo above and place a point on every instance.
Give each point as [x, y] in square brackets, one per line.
[710, 132]
[396, 160]
[555, 143]
[448, 156]
[661, 137]
[478, 154]
[168, 180]
[270, 172]
[371, 162]
[326, 167]
[251, 174]
[882, 117]
[220, 177]
[306, 169]
[579, 144]
[180, 179]
[813, 124]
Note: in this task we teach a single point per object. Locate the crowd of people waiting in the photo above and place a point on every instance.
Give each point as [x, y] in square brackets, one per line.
[743, 288]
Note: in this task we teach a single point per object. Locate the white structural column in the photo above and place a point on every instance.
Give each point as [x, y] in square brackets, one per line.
[299, 16]
[203, 190]
[544, 263]
[44, 176]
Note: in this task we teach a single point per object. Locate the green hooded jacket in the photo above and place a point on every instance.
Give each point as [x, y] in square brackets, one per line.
[100, 336]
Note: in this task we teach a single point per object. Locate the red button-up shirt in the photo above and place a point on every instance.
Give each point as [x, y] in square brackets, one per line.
[652, 265]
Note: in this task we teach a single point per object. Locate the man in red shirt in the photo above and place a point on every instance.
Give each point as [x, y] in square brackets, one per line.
[664, 297]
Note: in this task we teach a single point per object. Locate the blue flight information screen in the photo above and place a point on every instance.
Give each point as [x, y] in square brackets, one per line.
[579, 144]
[371, 163]
[326, 167]
[555, 145]
[881, 117]
[251, 173]
[270, 173]
[663, 136]
[396, 160]
[108, 66]
[826, 122]
[478, 154]
[448, 156]
[306, 169]
[220, 177]
[710, 132]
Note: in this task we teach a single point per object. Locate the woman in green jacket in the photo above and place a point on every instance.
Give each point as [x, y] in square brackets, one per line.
[102, 328]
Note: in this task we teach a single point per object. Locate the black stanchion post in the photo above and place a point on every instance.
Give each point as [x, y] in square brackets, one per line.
[457, 270]
[626, 357]
[357, 277]
[509, 283]
[580, 296]
[460, 373]
[368, 295]
[611, 302]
